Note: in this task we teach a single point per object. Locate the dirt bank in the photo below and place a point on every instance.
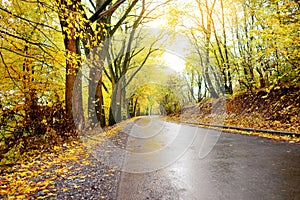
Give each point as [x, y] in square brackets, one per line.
[277, 109]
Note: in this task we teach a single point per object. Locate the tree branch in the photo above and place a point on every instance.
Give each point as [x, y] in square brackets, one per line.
[100, 13]
[27, 20]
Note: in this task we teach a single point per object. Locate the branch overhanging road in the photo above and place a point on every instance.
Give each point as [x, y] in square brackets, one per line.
[237, 167]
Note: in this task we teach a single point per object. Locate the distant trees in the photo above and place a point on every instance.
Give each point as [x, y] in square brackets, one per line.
[157, 91]
[240, 45]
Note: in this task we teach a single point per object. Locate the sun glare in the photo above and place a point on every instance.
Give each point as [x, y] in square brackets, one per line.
[174, 62]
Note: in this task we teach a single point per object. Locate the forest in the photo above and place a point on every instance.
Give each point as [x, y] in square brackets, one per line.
[70, 65]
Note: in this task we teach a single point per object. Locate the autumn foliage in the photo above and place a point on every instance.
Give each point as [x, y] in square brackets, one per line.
[246, 52]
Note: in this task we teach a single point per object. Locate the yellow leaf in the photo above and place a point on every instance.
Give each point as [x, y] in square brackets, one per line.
[56, 148]
[46, 191]
[21, 197]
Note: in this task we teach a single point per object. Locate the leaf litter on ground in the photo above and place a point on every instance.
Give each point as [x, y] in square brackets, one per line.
[68, 171]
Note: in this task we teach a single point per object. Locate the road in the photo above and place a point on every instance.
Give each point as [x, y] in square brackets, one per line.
[171, 161]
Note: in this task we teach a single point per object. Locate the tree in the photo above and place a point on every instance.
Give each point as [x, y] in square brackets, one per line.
[95, 83]
[75, 25]
[263, 42]
[194, 78]
[28, 46]
[200, 31]
[127, 55]
[222, 52]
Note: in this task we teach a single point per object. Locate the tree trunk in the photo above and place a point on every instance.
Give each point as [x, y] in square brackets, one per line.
[72, 67]
[71, 72]
[113, 106]
[95, 94]
[207, 65]
[135, 106]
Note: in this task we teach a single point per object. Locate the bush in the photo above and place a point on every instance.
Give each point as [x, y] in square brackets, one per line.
[31, 126]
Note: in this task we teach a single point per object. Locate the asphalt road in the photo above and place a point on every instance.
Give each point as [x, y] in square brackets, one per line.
[171, 161]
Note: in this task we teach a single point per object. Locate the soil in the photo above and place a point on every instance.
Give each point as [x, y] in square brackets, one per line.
[277, 109]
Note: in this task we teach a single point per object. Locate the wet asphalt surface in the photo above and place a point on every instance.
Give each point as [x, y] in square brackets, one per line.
[171, 161]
